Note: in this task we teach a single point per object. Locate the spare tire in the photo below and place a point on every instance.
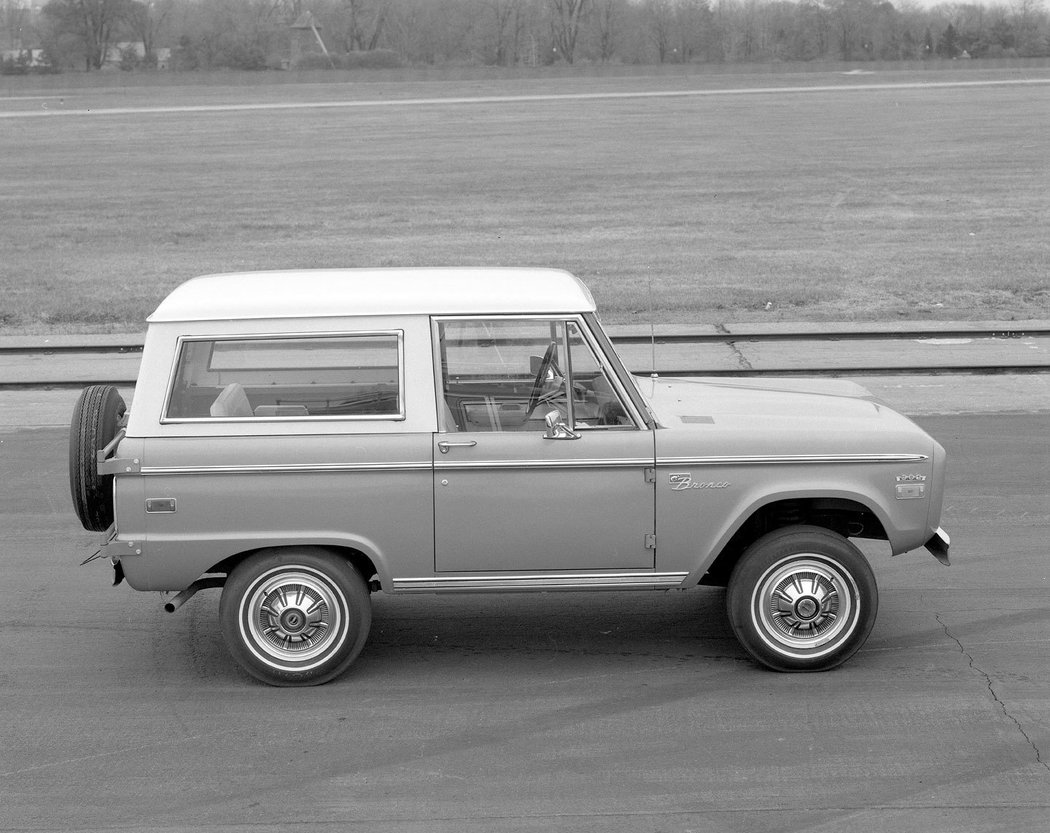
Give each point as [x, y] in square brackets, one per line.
[96, 420]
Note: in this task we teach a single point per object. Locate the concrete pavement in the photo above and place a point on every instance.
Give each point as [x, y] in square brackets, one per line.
[726, 349]
[957, 350]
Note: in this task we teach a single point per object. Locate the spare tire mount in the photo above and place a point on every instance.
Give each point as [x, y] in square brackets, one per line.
[97, 418]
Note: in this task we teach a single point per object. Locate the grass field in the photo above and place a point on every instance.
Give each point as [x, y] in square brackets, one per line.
[842, 204]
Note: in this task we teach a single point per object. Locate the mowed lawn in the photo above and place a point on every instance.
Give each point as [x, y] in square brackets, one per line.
[841, 204]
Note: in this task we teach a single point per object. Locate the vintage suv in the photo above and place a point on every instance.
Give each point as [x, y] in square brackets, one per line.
[302, 439]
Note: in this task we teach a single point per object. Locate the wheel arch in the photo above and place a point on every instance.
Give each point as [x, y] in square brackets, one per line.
[357, 558]
[295, 616]
[847, 514]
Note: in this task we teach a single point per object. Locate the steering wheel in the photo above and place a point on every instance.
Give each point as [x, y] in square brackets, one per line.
[541, 376]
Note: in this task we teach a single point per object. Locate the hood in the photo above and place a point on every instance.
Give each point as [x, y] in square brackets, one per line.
[775, 417]
[707, 400]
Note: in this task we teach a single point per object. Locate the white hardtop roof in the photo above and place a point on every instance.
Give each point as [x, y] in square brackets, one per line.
[333, 293]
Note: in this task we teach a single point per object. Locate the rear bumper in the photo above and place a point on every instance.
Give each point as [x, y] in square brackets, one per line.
[938, 545]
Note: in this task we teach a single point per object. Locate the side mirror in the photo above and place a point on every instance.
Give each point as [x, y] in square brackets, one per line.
[557, 429]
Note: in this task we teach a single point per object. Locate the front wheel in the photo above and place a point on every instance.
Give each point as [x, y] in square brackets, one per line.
[295, 617]
[802, 599]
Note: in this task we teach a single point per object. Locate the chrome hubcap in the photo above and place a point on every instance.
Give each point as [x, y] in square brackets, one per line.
[293, 617]
[805, 606]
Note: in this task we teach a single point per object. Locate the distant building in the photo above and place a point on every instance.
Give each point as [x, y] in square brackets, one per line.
[116, 53]
[32, 58]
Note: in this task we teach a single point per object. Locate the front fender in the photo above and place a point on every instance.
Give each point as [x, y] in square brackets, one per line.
[694, 525]
[724, 534]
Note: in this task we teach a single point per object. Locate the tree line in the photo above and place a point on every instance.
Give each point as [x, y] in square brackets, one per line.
[260, 34]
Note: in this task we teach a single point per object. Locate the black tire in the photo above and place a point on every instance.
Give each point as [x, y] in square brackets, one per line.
[802, 599]
[295, 617]
[95, 422]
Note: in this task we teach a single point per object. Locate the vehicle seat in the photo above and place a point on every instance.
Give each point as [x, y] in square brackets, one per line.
[610, 409]
[232, 402]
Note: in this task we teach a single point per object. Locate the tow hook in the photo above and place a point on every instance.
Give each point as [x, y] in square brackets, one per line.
[177, 601]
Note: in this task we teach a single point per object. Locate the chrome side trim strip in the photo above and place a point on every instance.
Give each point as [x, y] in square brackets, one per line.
[298, 468]
[602, 463]
[568, 581]
[791, 459]
[606, 463]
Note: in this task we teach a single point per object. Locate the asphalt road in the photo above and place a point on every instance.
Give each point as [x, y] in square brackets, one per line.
[577, 712]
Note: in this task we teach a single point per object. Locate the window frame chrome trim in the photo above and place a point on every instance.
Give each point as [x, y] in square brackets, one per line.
[623, 379]
[609, 366]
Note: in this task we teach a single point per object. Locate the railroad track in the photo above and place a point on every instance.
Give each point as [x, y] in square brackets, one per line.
[32, 363]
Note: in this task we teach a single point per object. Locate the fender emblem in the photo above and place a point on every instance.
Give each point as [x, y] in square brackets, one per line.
[681, 482]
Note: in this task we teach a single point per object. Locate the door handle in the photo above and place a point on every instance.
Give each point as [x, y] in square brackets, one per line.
[445, 445]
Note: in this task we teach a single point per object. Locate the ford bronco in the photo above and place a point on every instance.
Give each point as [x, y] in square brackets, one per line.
[303, 439]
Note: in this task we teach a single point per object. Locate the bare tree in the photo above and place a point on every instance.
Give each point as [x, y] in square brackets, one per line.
[1027, 16]
[249, 34]
[365, 20]
[146, 19]
[15, 24]
[660, 14]
[606, 19]
[694, 28]
[93, 22]
[502, 14]
[566, 17]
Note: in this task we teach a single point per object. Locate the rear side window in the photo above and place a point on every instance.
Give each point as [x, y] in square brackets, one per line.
[289, 377]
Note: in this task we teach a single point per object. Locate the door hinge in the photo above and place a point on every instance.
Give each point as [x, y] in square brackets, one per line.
[650, 474]
[650, 542]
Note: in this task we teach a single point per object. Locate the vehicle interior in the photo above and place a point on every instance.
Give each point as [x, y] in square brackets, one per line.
[507, 375]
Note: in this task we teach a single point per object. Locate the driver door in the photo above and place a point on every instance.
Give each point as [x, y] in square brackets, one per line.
[539, 467]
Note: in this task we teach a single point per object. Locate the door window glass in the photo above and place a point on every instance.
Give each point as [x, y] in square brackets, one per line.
[508, 374]
[597, 404]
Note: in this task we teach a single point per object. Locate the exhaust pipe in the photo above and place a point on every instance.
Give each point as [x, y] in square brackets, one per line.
[184, 596]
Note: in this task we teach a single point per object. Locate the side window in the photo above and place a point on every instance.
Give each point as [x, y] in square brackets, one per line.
[293, 377]
[508, 374]
[597, 404]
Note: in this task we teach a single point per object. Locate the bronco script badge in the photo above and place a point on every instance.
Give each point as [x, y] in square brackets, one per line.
[680, 482]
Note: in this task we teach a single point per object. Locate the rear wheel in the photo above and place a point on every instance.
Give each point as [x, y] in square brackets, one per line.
[802, 599]
[295, 617]
[96, 420]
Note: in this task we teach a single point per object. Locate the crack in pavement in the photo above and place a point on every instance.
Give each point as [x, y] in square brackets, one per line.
[741, 359]
[991, 690]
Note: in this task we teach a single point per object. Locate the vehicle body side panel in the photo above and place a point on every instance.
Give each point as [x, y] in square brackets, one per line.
[372, 493]
[520, 502]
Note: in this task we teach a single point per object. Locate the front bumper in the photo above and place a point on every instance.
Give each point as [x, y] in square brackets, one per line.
[938, 545]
